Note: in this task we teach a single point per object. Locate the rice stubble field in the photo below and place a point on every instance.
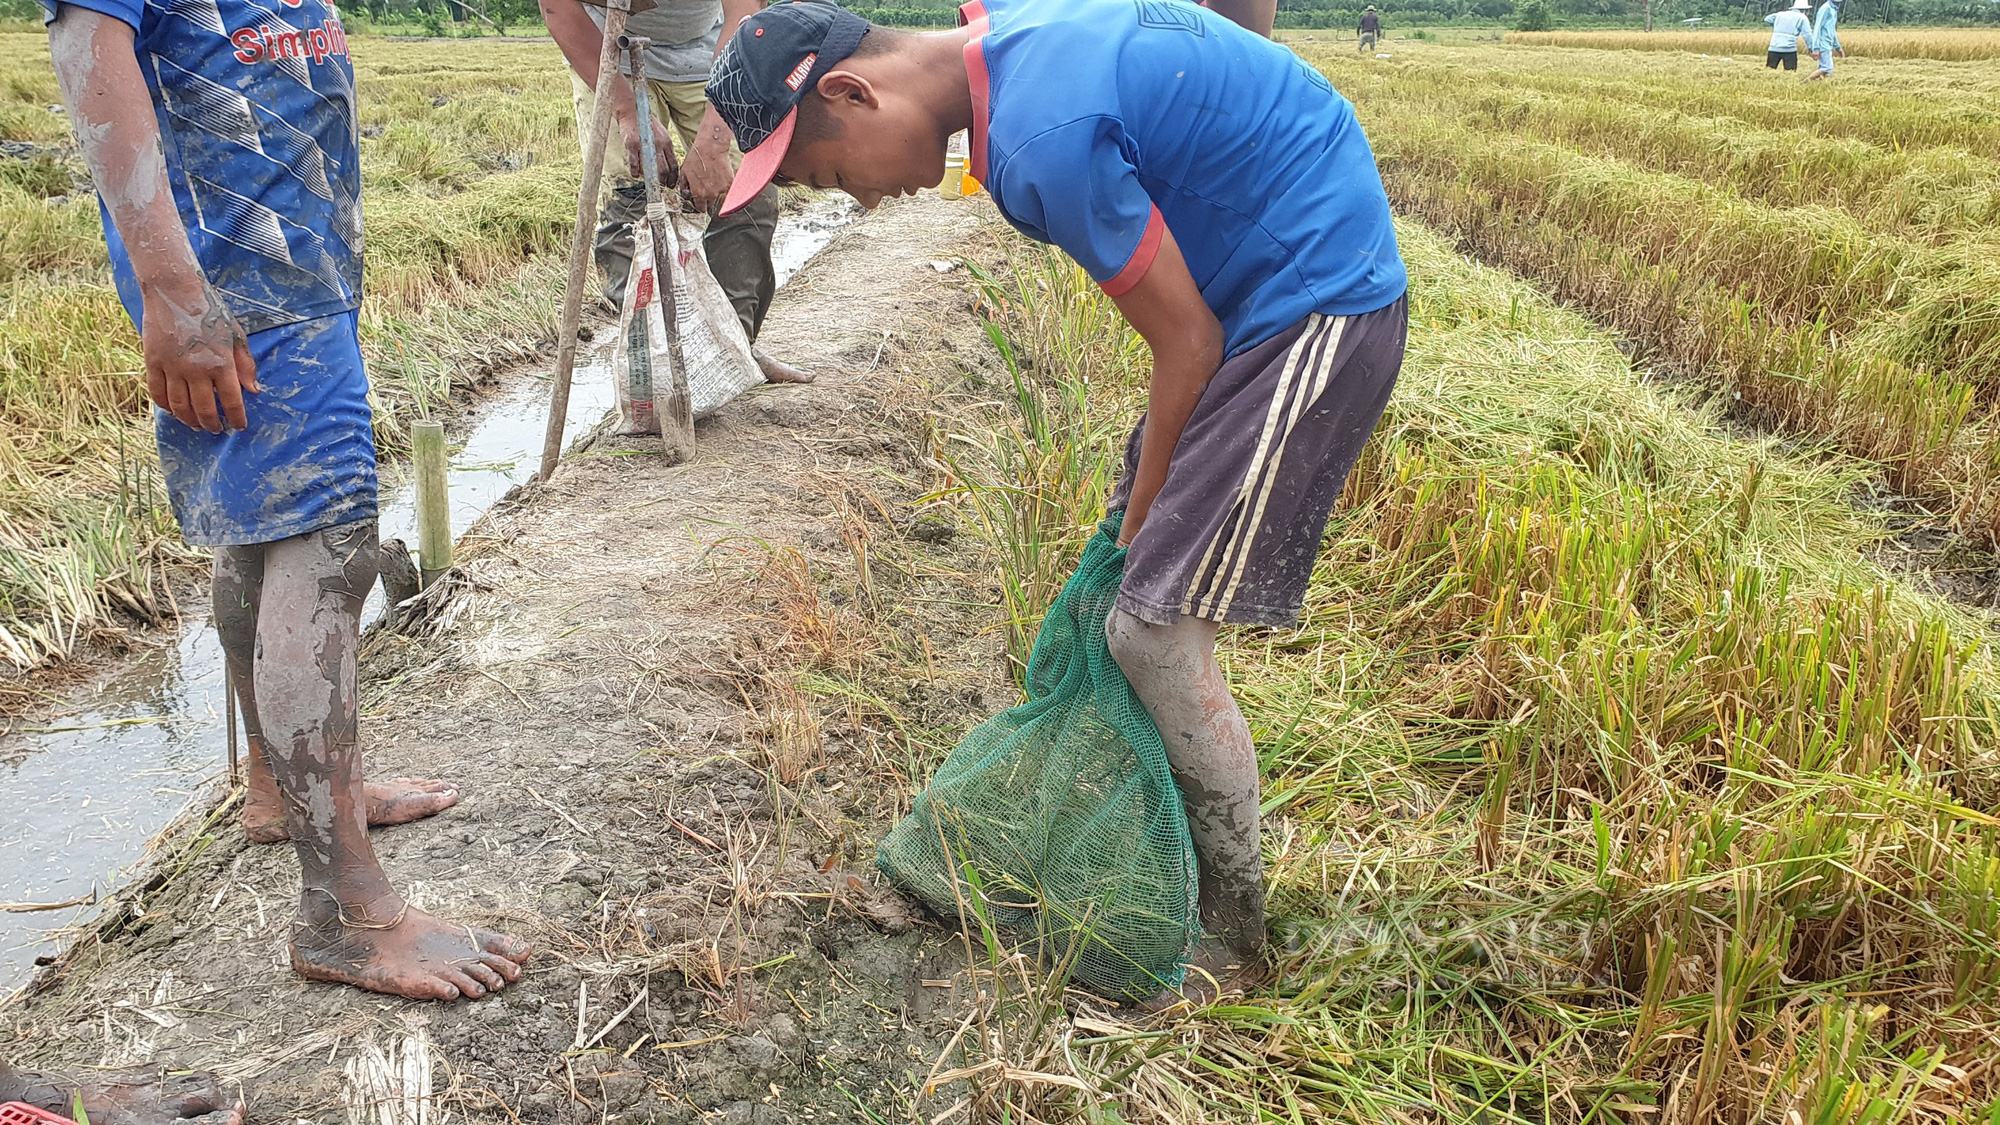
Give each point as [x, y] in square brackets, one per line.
[1821, 253]
[1610, 777]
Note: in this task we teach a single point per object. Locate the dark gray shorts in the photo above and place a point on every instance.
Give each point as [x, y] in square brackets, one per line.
[1235, 529]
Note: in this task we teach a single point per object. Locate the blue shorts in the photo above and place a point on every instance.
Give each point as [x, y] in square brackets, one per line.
[307, 460]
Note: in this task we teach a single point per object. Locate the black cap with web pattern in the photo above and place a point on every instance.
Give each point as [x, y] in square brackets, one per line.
[774, 58]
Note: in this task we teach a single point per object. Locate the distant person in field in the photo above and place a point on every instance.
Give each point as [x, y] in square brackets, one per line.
[1788, 28]
[186, 1099]
[222, 140]
[1826, 39]
[1225, 199]
[686, 34]
[1370, 29]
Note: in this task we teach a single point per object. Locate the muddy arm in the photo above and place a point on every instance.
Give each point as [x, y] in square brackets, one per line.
[707, 170]
[582, 43]
[1166, 308]
[400, 579]
[196, 355]
[13, 1085]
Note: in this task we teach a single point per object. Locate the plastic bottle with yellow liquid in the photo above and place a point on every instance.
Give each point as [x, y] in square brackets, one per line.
[953, 184]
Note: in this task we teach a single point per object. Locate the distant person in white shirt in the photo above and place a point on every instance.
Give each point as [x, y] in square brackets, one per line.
[1787, 28]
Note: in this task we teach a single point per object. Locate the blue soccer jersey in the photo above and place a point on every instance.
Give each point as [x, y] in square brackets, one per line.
[1099, 124]
[256, 109]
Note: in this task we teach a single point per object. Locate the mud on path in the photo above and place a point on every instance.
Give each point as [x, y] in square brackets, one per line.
[632, 690]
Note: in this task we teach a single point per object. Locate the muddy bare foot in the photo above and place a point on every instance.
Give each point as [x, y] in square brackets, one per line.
[173, 1099]
[399, 801]
[778, 371]
[1215, 971]
[395, 948]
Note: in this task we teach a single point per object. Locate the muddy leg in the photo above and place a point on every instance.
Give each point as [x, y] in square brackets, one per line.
[353, 928]
[236, 589]
[235, 585]
[1173, 671]
[139, 1100]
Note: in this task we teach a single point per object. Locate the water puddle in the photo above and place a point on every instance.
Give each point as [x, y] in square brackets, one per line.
[806, 231]
[86, 793]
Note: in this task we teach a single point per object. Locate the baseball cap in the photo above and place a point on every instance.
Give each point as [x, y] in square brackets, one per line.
[775, 58]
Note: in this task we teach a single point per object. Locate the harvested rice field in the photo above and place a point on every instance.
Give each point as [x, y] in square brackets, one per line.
[1636, 759]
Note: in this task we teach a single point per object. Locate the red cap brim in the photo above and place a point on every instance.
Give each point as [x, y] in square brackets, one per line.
[760, 164]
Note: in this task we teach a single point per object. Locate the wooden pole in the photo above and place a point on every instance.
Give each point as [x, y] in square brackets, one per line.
[579, 243]
[433, 498]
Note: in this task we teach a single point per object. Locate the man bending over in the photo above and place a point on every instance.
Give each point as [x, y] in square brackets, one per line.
[222, 140]
[1224, 197]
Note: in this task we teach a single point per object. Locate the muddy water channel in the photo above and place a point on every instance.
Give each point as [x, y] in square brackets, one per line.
[82, 795]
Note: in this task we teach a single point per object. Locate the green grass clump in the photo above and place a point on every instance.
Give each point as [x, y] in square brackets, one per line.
[469, 165]
[1606, 779]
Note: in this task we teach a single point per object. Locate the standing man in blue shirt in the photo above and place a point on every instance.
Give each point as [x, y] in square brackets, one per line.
[221, 136]
[1787, 28]
[1224, 197]
[1826, 39]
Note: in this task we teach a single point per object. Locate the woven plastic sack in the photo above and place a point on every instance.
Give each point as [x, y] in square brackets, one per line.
[1059, 820]
[717, 354]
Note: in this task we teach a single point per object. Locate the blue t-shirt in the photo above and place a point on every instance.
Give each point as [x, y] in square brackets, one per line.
[256, 110]
[1097, 124]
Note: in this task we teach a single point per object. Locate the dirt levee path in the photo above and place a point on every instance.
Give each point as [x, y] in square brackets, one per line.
[687, 844]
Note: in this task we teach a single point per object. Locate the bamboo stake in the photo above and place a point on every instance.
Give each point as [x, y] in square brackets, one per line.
[433, 499]
[579, 243]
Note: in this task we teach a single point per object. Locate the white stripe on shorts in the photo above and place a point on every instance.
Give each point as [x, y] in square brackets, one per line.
[1313, 352]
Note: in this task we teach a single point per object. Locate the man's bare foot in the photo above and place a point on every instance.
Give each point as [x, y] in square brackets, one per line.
[1215, 971]
[778, 371]
[389, 802]
[172, 1099]
[395, 948]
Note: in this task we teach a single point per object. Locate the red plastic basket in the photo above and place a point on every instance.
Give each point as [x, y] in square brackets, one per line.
[21, 1113]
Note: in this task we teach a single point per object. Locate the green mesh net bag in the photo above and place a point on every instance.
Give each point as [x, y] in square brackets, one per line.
[1059, 820]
